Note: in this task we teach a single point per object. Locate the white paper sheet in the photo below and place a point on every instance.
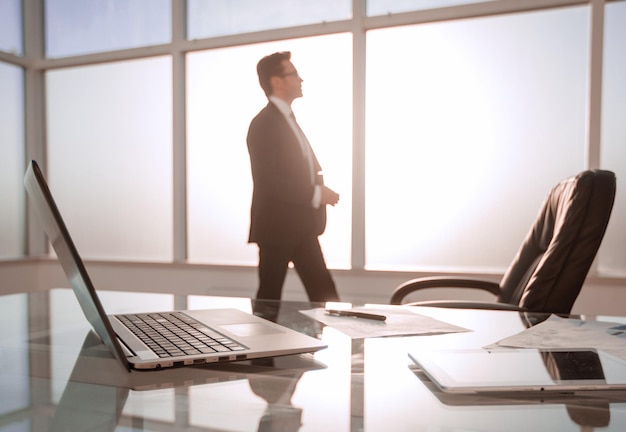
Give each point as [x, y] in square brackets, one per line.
[400, 322]
[557, 332]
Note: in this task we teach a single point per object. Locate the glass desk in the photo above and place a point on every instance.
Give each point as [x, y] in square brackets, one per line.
[55, 375]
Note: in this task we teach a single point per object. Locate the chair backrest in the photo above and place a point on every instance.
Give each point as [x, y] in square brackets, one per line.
[550, 267]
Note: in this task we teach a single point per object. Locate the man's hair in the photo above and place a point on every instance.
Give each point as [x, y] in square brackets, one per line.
[269, 66]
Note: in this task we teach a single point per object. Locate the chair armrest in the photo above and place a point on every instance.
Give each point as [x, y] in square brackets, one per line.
[441, 282]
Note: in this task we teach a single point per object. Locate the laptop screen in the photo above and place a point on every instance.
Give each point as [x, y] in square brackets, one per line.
[50, 218]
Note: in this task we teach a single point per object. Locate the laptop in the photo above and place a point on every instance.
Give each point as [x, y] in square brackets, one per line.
[137, 340]
[95, 365]
[485, 371]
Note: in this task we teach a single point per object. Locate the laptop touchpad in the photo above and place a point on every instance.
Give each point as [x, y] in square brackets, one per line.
[250, 329]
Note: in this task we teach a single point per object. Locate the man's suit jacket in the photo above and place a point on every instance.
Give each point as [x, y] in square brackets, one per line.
[281, 211]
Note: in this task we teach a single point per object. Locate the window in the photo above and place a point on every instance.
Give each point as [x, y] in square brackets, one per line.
[457, 113]
[11, 28]
[12, 156]
[223, 97]
[384, 7]
[612, 256]
[110, 156]
[469, 124]
[75, 27]
[227, 17]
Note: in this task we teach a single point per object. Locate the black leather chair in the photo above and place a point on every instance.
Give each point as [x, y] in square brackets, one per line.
[550, 267]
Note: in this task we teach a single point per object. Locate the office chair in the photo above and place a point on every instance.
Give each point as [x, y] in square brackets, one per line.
[552, 263]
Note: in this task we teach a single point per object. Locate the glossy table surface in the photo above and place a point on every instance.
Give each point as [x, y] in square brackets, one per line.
[55, 375]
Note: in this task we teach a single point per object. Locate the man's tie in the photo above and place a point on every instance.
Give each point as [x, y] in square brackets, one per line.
[307, 151]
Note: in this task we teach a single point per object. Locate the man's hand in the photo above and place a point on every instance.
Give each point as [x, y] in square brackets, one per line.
[329, 197]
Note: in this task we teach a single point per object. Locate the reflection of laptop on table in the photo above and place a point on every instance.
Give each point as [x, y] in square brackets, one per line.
[482, 371]
[98, 388]
[162, 339]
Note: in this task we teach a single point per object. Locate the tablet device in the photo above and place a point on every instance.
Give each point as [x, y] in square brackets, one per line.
[469, 371]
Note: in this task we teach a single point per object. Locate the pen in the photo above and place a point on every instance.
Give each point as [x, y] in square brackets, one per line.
[355, 314]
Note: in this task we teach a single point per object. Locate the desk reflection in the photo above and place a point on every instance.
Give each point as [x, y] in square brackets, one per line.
[98, 388]
[57, 376]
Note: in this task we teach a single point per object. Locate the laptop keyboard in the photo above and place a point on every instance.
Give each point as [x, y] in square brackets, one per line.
[174, 334]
